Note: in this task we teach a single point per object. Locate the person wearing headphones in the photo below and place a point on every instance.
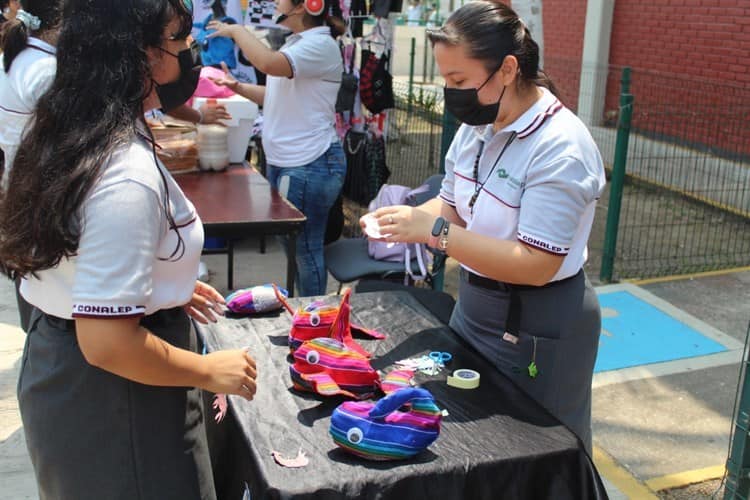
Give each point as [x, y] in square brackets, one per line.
[108, 246]
[522, 178]
[305, 159]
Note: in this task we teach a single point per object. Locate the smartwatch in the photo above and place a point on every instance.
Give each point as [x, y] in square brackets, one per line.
[436, 233]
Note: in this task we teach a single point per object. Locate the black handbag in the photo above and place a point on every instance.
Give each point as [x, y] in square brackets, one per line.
[356, 181]
[348, 89]
[376, 82]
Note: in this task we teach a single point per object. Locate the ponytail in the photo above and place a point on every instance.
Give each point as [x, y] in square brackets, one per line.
[528, 61]
[15, 37]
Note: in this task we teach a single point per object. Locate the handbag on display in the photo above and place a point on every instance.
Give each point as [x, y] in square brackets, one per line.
[349, 86]
[355, 183]
[375, 82]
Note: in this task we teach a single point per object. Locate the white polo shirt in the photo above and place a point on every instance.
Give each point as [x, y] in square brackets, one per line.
[30, 75]
[299, 112]
[542, 191]
[123, 266]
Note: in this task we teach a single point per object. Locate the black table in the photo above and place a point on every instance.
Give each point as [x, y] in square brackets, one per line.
[238, 202]
[495, 443]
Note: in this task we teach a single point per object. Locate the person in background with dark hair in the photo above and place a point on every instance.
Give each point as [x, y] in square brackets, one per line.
[8, 8]
[523, 175]
[28, 68]
[108, 247]
[305, 160]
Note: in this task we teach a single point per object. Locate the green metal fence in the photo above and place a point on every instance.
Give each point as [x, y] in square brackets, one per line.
[685, 203]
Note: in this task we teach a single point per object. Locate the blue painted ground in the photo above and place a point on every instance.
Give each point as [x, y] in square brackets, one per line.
[636, 333]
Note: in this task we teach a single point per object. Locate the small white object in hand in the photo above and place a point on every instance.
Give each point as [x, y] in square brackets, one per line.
[372, 228]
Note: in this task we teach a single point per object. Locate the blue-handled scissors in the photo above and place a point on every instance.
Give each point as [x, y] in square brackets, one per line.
[440, 357]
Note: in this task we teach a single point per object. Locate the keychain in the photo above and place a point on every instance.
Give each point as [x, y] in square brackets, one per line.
[533, 371]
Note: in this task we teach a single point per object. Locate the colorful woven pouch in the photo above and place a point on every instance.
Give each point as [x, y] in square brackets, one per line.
[320, 320]
[256, 299]
[329, 368]
[382, 432]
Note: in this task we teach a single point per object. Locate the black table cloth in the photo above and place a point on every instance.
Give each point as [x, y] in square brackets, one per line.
[494, 443]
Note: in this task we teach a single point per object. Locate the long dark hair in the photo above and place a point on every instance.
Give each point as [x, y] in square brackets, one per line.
[15, 34]
[95, 105]
[490, 31]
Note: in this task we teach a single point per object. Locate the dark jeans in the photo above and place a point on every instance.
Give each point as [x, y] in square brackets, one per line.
[313, 189]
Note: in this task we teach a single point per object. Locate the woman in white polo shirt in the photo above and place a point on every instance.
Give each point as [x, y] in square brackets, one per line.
[516, 207]
[305, 159]
[109, 246]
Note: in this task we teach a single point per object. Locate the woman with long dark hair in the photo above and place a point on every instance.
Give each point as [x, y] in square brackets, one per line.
[108, 246]
[522, 178]
[305, 159]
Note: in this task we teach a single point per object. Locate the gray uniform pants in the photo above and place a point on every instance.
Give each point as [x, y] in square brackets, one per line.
[94, 435]
[559, 331]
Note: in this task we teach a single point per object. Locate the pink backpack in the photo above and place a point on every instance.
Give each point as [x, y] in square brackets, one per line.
[393, 194]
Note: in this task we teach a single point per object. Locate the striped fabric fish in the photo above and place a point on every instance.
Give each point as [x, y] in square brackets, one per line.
[381, 431]
[256, 299]
[329, 367]
[321, 320]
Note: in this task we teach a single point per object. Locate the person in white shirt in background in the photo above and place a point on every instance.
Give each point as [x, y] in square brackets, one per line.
[305, 160]
[27, 70]
[414, 13]
[108, 246]
[522, 178]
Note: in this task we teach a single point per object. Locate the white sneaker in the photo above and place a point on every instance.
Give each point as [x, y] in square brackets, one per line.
[203, 271]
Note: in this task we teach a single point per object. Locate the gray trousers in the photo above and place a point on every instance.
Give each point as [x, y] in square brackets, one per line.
[559, 331]
[94, 435]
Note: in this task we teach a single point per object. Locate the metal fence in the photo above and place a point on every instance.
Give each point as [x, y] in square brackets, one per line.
[685, 204]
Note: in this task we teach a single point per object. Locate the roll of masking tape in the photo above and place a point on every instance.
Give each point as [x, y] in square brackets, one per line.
[464, 379]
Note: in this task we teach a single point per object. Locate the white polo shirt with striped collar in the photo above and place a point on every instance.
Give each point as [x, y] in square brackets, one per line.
[541, 191]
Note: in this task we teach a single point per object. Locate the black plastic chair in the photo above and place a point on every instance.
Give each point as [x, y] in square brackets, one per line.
[347, 259]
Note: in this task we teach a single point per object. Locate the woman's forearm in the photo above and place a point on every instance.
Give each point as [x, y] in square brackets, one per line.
[126, 349]
[260, 56]
[255, 93]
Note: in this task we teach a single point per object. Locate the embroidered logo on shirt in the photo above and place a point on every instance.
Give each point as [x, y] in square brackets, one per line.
[502, 174]
[514, 182]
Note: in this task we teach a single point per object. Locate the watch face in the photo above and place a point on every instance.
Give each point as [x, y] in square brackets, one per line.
[437, 228]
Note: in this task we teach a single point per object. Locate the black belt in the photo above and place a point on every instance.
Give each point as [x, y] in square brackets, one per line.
[490, 284]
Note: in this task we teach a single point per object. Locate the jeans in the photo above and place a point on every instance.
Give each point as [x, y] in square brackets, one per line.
[312, 188]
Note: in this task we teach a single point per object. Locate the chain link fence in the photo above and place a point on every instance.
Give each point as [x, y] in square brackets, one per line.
[686, 198]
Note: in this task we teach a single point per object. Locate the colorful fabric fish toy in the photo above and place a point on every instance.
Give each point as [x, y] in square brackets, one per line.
[256, 299]
[380, 431]
[321, 320]
[329, 367]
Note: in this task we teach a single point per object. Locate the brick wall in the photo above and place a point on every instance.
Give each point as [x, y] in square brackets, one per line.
[691, 60]
[564, 24]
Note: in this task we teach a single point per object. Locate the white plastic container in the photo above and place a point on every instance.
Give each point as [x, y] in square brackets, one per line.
[213, 147]
[243, 112]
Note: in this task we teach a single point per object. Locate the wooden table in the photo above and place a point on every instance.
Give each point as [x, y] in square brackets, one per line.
[239, 202]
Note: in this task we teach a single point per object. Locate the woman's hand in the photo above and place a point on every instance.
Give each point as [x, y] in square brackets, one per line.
[212, 113]
[205, 304]
[231, 372]
[221, 29]
[227, 80]
[402, 223]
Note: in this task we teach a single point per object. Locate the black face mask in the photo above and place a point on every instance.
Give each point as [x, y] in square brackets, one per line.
[465, 106]
[177, 93]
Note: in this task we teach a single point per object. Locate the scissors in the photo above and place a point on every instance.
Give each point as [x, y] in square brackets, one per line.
[440, 357]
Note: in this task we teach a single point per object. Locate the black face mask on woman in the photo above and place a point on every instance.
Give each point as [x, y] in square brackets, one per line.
[177, 93]
[465, 106]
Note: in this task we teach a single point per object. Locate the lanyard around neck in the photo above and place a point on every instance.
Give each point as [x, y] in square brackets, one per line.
[478, 187]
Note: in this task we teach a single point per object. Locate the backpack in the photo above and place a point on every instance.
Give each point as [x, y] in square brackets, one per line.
[215, 50]
[393, 194]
